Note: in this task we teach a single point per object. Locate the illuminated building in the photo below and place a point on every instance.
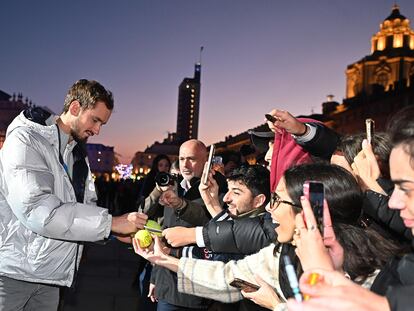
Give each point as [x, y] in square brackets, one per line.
[379, 84]
[188, 107]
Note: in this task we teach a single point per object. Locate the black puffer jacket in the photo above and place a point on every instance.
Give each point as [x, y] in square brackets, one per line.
[246, 235]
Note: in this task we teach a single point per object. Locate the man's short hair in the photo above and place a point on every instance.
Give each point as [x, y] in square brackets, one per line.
[255, 177]
[88, 93]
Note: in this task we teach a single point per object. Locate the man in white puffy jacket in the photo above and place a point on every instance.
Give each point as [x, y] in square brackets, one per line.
[47, 199]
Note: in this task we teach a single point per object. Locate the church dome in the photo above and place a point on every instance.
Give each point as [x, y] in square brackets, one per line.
[395, 14]
[395, 33]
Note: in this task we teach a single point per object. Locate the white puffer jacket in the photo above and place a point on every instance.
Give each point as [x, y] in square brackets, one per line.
[40, 220]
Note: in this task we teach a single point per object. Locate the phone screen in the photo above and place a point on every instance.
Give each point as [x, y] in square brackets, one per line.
[209, 163]
[314, 191]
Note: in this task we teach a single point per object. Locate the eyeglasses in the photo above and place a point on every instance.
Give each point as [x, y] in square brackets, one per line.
[275, 201]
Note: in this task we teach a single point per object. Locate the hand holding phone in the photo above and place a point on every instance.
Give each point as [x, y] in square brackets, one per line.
[244, 285]
[209, 163]
[270, 118]
[314, 192]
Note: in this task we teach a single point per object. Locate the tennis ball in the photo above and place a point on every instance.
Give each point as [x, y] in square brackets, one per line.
[144, 238]
[154, 225]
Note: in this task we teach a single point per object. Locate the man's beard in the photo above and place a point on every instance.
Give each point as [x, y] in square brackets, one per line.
[74, 132]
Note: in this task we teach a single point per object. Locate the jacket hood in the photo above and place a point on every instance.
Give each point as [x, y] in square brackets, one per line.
[38, 120]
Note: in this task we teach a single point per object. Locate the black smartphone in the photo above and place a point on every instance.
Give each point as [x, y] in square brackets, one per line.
[209, 164]
[244, 285]
[270, 118]
[314, 192]
[370, 127]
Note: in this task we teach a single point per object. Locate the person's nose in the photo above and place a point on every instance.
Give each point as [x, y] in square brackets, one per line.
[396, 200]
[227, 198]
[96, 129]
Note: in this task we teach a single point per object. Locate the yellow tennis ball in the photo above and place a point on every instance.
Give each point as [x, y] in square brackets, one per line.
[154, 225]
[144, 238]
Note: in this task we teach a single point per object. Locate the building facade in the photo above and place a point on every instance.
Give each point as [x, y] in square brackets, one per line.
[189, 107]
[379, 84]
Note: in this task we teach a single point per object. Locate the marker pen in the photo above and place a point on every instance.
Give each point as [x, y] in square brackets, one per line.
[293, 280]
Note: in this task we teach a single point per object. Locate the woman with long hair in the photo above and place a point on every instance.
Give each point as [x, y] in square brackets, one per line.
[365, 251]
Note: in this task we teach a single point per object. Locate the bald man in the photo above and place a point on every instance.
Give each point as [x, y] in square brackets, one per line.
[184, 207]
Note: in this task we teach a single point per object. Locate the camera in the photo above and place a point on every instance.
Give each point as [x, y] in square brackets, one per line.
[165, 179]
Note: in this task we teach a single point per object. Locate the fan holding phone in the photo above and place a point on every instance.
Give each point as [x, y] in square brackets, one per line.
[205, 278]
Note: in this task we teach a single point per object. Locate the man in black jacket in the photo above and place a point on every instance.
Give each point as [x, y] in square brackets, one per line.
[244, 227]
[192, 157]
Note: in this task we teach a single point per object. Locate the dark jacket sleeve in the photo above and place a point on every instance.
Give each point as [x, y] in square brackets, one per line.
[401, 298]
[375, 205]
[195, 211]
[323, 144]
[239, 236]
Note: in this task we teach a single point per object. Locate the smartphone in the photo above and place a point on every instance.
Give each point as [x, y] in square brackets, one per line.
[370, 127]
[314, 192]
[270, 118]
[209, 163]
[244, 285]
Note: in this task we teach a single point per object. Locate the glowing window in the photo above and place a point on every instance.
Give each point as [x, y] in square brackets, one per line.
[381, 43]
[412, 42]
[398, 40]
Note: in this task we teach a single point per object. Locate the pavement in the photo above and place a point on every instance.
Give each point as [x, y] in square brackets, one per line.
[106, 279]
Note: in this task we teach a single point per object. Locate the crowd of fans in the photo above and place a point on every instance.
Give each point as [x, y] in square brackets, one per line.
[247, 218]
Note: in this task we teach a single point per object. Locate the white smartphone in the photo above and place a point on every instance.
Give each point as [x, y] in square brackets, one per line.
[209, 163]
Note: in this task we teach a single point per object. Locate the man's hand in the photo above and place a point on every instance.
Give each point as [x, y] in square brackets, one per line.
[210, 192]
[151, 293]
[170, 199]
[285, 121]
[366, 169]
[180, 236]
[128, 223]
